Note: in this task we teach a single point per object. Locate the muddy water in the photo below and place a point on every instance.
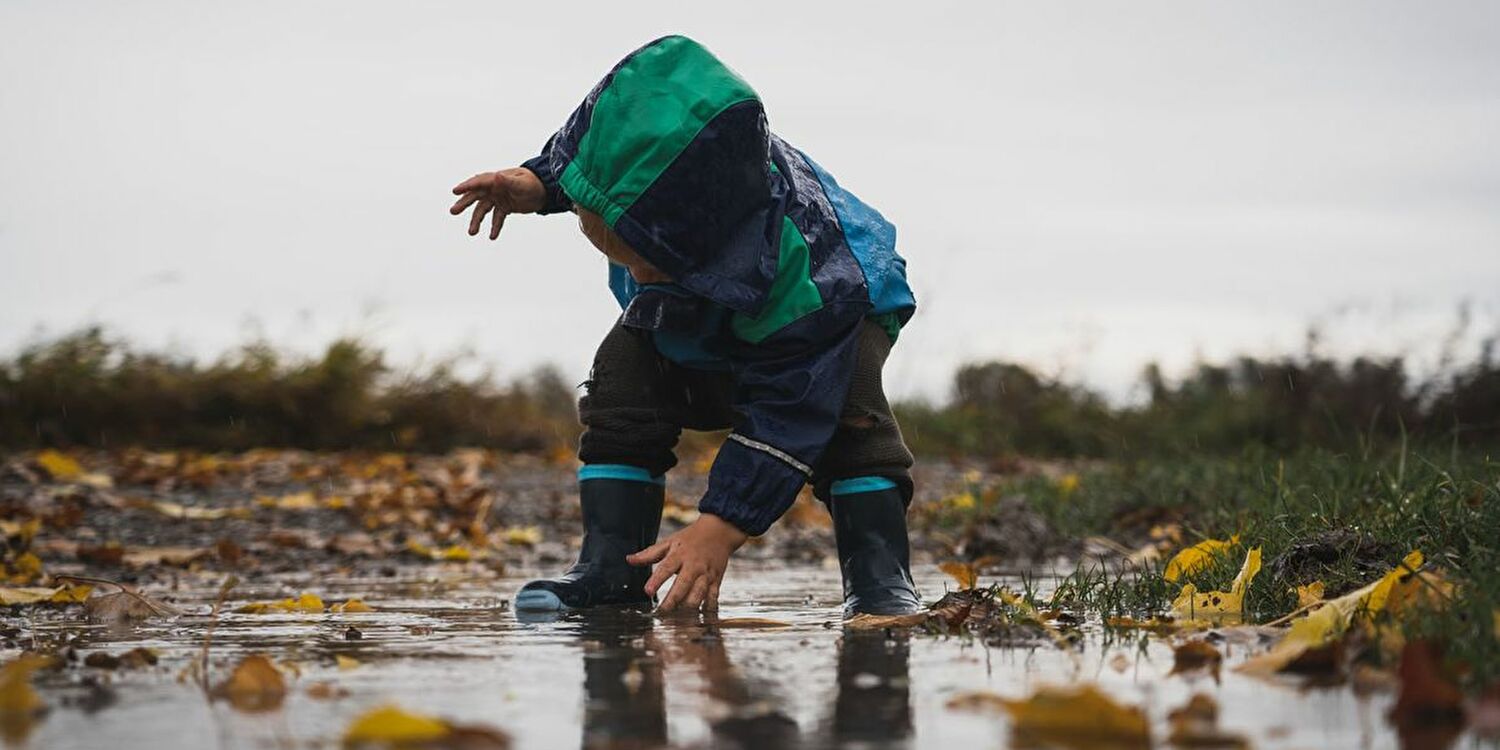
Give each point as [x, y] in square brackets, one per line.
[450, 646]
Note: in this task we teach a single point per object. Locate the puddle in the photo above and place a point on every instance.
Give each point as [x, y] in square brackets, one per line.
[452, 647]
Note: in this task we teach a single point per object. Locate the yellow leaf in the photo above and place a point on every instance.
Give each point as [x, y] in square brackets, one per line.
[346, 662]
[308, 603]
[1218, 605]
[457, 553]
[523, 535]
[1310, 594]
[1067, 484]
[177, 510]
[71, 594]
[390, 725]
[25, 595]
[964, 501]
[19, 703]
[1197, 557]
[297, 501]
[26, 568]
[57, 465]
[966, 574]
[1326, 623]
[1077, 717]
[352, 606]
[255, 685]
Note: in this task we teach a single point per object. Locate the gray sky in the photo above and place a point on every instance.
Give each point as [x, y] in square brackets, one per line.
[1080, 186]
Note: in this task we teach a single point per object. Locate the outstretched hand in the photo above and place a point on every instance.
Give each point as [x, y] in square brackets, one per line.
[509, 191]
[698, 556]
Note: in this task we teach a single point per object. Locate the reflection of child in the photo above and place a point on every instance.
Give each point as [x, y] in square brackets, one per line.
[757, 294]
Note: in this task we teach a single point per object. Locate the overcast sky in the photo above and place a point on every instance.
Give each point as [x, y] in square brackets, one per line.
[1080, 186]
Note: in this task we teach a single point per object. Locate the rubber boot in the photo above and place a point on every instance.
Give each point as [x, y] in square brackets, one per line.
[874, 554]
[620, 517]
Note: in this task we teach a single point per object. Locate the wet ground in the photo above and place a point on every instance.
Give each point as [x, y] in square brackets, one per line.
[438, 545]
[447, 644]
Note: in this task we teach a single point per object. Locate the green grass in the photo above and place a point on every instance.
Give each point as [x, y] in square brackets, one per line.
[1442, 500]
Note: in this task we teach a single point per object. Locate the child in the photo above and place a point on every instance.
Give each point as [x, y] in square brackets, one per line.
[757, 295]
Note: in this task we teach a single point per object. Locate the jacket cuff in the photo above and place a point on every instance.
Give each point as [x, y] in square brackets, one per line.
[557, 200]
[750, 488]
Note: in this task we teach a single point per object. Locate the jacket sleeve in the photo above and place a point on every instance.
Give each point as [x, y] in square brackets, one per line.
[791, 390]
[543, 166]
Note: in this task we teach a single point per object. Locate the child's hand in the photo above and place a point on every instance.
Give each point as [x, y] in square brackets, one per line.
[697, 555]
[509, 191]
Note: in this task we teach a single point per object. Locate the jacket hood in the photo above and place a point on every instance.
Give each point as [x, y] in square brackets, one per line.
[673, 151]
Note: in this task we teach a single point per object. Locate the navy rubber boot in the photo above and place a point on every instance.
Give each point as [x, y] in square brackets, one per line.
[874, 554]
[620, 517]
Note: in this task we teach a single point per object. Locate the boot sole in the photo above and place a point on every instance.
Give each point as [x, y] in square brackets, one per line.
[539, 601]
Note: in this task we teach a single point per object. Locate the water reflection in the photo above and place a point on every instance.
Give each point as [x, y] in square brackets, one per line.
[873, 701]
[628, 656]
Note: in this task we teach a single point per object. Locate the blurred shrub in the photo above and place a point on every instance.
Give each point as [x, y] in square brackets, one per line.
[998, 409]
[87, 389]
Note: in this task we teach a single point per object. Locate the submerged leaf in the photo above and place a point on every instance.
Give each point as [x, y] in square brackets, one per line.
[392, 726]
[1082, 716]
[126, 605]
[979, 701]
[1197, 557]
[1196, 724]
[1197, 654]
[255, 685]
[750, 623]
[352, 606]
[1218, 605]
[878, 622]
[20, 705]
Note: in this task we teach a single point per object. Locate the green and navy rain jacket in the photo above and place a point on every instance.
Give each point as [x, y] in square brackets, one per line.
[775, 266]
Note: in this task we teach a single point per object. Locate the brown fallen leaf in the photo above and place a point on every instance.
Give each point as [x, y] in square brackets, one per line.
[980, 701]
[1077, 717]
[749, 623]
[1194, 655]
[255, 685]
[133, 659]
[325, 691]
[126, 604]
[879, 622]
[1196, 724]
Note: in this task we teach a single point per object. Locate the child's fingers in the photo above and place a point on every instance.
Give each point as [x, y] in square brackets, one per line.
[711, 603]
[497, 220]
[464, 202]
[649, 555]
[661, 574]
[699, 593]
[476, 182]
[681, 588]
[480, 209]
